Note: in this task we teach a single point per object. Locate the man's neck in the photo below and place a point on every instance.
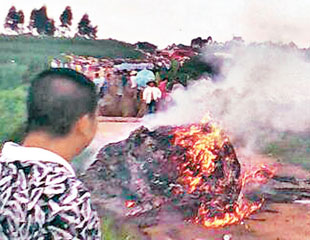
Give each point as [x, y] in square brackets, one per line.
[55, 145]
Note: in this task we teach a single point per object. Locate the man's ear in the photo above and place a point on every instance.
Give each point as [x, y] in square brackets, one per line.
[82, 126]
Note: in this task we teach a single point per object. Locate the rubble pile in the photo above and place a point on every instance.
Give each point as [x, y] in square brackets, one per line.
[152, 171]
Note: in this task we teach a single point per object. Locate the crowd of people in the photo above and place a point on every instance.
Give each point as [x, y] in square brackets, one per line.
[127, 93]
[120, 82]
[126, 89]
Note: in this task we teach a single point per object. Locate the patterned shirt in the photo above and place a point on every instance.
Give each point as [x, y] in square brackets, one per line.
[41, 197]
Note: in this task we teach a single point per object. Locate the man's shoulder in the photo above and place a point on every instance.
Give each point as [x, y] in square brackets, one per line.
[38, 173]
[43, 166]
[48, 196]
[52, 178]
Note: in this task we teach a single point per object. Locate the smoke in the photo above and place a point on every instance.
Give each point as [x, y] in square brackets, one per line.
[283, 21]
[264, 91]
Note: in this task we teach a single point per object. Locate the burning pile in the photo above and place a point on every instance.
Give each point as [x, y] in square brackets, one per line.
[192, 169]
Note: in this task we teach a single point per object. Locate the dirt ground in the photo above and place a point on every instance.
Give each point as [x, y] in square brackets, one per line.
[111, 131]
[281, 222]
[272, 222]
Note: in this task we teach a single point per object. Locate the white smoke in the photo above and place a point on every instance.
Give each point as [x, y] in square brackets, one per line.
[265, 89]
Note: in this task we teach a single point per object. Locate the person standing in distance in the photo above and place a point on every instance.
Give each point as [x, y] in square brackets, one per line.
[151, 96]
[40, 195]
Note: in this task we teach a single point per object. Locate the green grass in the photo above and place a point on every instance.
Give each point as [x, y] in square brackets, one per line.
[111, 231]
[21, 46]
[292, 148]
[13, 113]
[34, 53]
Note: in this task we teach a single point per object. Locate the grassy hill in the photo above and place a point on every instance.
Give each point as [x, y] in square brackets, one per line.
[31, 54]
[22, 57]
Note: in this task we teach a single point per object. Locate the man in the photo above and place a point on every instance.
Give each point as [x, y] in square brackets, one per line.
[132, 78]
[40, 195]
[98, 81]
[151, 96]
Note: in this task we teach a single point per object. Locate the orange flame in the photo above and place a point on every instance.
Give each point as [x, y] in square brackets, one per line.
[260, 175]
[243, 208]
[202, 142]
[240, 212]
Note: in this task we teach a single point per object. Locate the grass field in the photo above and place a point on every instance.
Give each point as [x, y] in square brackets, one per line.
[292, 148]
[32, 54]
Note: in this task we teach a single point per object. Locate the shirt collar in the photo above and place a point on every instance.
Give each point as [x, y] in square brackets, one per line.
[12, 152]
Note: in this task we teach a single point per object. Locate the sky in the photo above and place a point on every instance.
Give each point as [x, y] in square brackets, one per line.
[163, 22]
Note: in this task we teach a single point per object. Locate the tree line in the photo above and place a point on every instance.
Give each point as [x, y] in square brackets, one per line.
[43, 25]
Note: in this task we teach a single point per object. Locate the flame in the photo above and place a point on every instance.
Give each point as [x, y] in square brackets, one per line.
[241, 211]
[243, 208]
[202, 142]
[259, 175]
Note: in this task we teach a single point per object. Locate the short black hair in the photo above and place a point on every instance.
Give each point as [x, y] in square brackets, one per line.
[57, 98]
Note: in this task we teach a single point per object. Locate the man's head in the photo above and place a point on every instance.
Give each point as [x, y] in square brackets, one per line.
[151, 83]
[61, 103]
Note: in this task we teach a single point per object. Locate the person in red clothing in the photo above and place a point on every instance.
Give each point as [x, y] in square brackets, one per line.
[163, 87]
[162, 104]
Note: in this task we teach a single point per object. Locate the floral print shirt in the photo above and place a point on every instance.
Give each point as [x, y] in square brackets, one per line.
[41, 197]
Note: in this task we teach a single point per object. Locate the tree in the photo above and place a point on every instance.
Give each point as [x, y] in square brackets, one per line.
[50, 27]
[14, 20]
[66, 21]
[66, 17]
[194, 69]
[38, 18]
[85, 29]
[146, 46]
[200, 43]
[40, 22]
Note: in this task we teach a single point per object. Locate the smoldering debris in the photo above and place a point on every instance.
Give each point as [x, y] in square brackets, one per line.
[141, 177]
